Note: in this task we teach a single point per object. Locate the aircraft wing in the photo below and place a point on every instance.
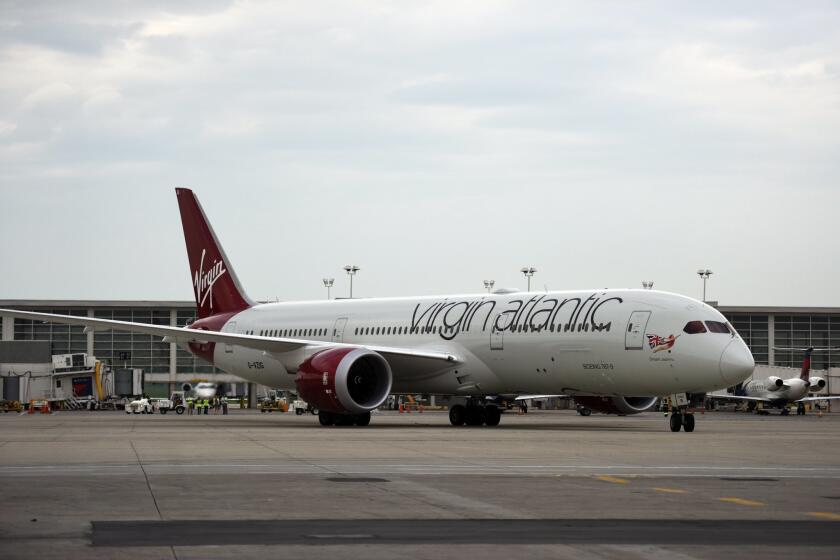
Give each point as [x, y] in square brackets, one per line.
[737, 398]
[825, 398]
[526, 397]
[270, 344]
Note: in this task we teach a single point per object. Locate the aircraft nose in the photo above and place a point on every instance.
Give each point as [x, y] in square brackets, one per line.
[736, 363]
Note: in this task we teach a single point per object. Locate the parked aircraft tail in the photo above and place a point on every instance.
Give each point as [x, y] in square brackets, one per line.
[806, 365]
[215, 285]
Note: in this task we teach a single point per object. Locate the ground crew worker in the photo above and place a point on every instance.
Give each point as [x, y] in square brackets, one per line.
[190, 406]
[224, 405]
[206, 406]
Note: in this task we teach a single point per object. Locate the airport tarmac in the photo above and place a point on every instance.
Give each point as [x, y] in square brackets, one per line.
[541, 485]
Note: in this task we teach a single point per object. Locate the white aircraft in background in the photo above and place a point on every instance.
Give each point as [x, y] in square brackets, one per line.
[616, 348]
[778, 392]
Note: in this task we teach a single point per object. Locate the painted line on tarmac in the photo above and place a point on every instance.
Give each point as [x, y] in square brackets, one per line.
[669, 490]
[742, 501]
[613, 479]
[430, 465]
[825, 515]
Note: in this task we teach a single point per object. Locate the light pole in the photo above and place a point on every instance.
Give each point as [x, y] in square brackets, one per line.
[328, 283]
[528, 271]
[488, 285]
[704, 273]
[351, 270]
[647, 284]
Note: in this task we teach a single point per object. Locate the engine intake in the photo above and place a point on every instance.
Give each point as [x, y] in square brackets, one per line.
[617, 405]
[344, 380]
[816, 383]
[774, 383]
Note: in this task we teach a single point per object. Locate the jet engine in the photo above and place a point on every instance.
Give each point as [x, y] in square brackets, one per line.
[774, 383]
[817, 383]
[344, 380]
[617, 405]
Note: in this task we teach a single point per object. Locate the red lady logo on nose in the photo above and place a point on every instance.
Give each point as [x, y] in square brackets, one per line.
[658, 343]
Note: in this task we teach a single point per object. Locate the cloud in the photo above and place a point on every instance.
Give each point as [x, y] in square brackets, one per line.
[539, 129]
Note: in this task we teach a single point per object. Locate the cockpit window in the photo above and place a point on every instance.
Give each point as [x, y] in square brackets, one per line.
[694, 327]
[718, 327]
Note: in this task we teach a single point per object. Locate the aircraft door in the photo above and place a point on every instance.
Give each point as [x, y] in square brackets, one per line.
[338, 329]
[634, 335]
[497, 337]
[231, 328]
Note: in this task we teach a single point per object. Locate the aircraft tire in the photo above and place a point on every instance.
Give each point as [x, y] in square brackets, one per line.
[362, 419]
[343, 419]
[688, 422]
[457, 415]
[492, 416]
[326, 418]
[474, 416]
[584, 411]
[676, 422]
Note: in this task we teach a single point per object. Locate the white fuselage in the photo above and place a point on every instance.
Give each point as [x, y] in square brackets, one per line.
[793, 390]
[607, 342]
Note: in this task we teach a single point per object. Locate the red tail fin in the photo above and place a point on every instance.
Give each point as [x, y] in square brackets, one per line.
[217, 289]
[806, 365]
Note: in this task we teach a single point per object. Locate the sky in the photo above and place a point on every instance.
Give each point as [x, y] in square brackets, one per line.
[432, 144]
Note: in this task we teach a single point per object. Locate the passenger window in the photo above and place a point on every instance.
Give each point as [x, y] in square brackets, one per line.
[717, 327]
[694, 327]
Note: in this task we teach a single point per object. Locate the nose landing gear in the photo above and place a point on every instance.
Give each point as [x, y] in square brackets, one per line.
[684, 420]
[681, 418]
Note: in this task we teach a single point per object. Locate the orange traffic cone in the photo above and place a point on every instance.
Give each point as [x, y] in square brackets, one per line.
[401, 408]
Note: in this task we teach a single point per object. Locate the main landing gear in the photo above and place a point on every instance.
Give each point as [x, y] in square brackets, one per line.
[684, 420]
[335, 419]
[474, 414]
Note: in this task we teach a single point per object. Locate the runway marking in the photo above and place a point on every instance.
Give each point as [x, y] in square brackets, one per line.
[742, 502]
[613, 479]
[670, 490]
[825, 515]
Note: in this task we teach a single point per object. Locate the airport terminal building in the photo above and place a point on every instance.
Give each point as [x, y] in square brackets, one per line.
[165, 366]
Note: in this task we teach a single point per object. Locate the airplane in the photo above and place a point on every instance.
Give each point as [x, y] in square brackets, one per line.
[618, 349]
[778, 392]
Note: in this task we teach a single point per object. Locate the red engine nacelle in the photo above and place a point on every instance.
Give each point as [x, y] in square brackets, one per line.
[617, 405]
[344, 380]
